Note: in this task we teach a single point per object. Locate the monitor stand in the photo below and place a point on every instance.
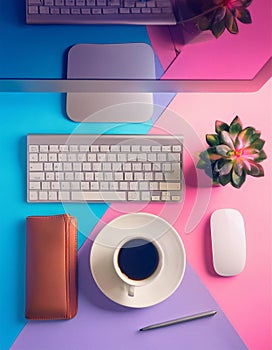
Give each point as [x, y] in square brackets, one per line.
[110, 61]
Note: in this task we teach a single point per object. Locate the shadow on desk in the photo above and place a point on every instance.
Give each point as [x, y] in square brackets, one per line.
[20, 270]
[87, 286]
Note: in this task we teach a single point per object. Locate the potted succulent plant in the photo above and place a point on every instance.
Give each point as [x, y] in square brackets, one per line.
[233, 153]
[215, 15]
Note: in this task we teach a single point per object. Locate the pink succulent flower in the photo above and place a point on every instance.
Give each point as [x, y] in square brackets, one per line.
[233, 153]
[224, 15]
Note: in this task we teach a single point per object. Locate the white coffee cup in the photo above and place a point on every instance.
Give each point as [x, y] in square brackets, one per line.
[138, 241]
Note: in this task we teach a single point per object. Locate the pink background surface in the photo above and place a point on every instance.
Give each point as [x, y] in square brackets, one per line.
[245, 298]
[228, 57]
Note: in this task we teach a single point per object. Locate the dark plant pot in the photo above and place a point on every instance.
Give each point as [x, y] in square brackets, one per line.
[188, 14]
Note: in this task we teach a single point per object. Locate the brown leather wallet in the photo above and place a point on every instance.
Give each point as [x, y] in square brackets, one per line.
[51, 267]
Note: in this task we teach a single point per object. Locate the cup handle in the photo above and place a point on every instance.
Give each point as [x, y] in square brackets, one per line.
[131, 290]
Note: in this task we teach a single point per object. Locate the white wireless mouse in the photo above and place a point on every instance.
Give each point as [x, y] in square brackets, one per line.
[228, 242]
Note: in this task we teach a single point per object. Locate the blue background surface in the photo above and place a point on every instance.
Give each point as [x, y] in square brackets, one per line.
[40, 51]
[23, 113]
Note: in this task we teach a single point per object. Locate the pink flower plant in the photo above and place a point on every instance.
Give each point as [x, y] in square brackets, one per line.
[232, 154]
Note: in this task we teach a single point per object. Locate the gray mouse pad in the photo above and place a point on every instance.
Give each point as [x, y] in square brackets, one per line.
[110, 61]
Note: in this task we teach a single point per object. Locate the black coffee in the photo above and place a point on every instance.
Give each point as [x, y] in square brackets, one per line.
[138, 259]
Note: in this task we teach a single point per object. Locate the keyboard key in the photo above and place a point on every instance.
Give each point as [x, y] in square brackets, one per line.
[33, 157]
[145, 196]
[101, 3]
[140, 4]
[33, 10]
[163, 3]
[33, 195]
[114, 3]
[35, 185]
[35, 176]
[75, 11]
[133, 196]
[33, 148]
[46, 185]
[128, 3]
[52, 196]
[44, 10]
[110, 11]
[150, 3]
[86, 11]
[123, 10]
[43, 195]
[99, 196]
[170, 186]
[70, 2]
[65, 11]
[64, 196]
[96, 11]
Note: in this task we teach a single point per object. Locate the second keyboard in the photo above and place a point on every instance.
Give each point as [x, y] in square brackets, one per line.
[104, 168]
[100, 12]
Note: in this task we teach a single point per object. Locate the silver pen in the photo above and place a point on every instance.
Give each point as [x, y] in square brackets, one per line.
[179, 320]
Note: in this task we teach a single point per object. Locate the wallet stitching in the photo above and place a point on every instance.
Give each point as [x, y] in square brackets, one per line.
[72, 306]
[66, 222]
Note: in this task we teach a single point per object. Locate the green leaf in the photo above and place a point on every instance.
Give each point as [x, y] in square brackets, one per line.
[238, 168]
[262, 156]
[234, 130]
[255, 136]
[236, 180]
[204, 155]
[219, 14]
[243, 15]
[230, 23]
[220, 126]
[223, 150]
[235, 121]
[219, 164]
[201, 164]
[256, 170]
[218, 28]
[226, 139]
[258, 144]
[212, 139]
[208, 171]
[225, 179]
[246, 3]
[235, 126]
[226, 169]
[212, 154]
[204, 23]
[244, 136]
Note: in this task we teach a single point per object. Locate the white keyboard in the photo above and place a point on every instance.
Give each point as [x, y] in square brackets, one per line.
[104, 168]
[100, 12]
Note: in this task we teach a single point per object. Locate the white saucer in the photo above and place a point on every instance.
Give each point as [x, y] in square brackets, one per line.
[147, 226]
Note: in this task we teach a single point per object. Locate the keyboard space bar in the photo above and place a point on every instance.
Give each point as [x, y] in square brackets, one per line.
[98, 196]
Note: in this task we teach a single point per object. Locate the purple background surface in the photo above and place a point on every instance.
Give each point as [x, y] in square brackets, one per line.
[103, 324]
